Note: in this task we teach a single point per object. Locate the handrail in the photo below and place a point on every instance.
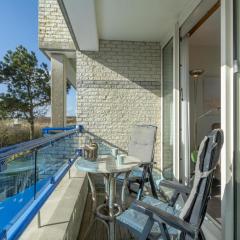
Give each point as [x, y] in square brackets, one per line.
[50, 129]
[37, 143]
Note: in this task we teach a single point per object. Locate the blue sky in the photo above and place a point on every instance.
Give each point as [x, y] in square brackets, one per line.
[19, 26]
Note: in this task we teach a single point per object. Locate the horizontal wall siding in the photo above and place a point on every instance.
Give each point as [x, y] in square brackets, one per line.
[118, 87]
[53, 30]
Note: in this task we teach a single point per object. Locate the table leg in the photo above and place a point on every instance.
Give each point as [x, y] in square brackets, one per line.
[93, 192]
[106, 184]
[141, 186]
[112, 191]
[94, 199]
[124, 186]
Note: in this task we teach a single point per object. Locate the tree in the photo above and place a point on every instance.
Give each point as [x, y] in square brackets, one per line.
[28, 87]
[3, 112]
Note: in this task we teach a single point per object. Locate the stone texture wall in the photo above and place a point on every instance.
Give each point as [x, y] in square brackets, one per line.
[118, 87]
[53, 30]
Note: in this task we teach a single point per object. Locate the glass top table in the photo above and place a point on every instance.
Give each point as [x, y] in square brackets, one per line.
[108, 167]
[107, 164]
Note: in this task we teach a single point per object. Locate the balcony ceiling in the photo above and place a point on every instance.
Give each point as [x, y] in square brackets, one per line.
[137, 20]
[133, 20]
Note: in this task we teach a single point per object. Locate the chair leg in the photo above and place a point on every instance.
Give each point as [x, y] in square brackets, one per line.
[174, 199]
[201, 235]
[141, 185]
[164, 231]
[153, 188]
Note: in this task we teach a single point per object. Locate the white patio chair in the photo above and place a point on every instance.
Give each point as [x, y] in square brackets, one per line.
[141, 145]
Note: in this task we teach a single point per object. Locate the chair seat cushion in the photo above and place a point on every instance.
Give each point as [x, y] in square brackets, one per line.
[137, 220]
[158, 204]
[134, 219]
[176, 210]
[136, 172]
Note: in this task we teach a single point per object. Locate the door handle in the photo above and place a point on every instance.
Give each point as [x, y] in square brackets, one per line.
[181, 94]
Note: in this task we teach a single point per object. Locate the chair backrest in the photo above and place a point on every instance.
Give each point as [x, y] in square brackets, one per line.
[142, 142]
[195, 207]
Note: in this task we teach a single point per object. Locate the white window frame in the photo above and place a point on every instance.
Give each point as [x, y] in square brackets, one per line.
[162, 113]
[227, 117]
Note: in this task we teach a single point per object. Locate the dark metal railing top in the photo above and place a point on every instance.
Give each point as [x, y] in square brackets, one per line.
[38, 143]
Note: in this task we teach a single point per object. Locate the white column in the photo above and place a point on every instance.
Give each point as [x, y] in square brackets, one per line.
[58, 90]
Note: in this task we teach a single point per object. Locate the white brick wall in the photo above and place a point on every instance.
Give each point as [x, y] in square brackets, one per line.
[53, 31]
[118, 87]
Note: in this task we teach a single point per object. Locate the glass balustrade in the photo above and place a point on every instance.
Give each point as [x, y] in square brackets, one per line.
[29, 168]
[17, 180]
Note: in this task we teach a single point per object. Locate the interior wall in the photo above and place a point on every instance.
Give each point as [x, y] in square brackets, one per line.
[207, 58]
[208, 97]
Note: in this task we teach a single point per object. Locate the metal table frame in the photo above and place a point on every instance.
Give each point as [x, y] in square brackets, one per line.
[110, 202]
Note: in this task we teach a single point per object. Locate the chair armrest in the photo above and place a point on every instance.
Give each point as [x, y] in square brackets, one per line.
[169, 219]
[175, 186]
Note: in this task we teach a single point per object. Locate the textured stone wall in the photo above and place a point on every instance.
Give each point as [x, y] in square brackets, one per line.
[53, 30]
[118, 87]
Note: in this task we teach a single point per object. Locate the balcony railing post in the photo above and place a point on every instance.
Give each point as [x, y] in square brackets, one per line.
[35, 174]
[69, 171]
[81, 129]
[39, 219]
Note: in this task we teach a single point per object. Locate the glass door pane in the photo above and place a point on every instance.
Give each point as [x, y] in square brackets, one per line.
[167, 110]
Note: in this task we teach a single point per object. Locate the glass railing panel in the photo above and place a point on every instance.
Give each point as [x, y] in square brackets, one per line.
[17, 179]
[53, 157]
[104, 147]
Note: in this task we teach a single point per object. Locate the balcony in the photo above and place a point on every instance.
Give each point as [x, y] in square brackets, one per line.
[44, 196]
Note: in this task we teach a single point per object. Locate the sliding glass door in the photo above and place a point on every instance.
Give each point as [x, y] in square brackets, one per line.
[167, 110]
[237, 118]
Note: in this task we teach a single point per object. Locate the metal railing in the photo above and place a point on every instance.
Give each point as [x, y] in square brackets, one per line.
[29, 173]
